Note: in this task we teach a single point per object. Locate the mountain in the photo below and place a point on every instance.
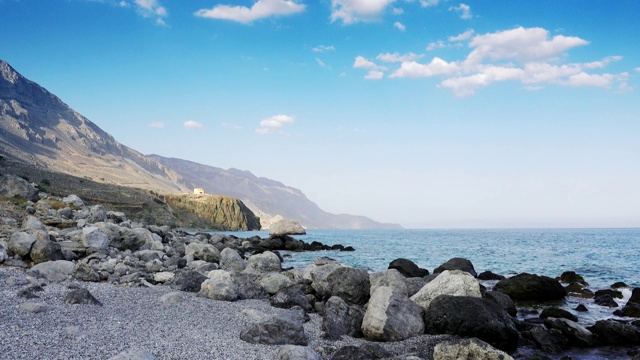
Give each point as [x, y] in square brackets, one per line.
[40, 130]
[212, 212]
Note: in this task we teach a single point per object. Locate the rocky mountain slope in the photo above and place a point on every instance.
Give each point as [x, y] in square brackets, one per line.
[212, 211]
[38, 129]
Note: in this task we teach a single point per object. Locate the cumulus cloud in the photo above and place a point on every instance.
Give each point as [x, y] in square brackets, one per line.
[429, 3]
[158, 125]
[274, 124]
[152, 9]
[323, 48]
[436, 45]
[190, 124]
[352, 11]
[374, 75]
[259, 10]
[464, 10]
[400, 26]
[529, 56]
[397, 11]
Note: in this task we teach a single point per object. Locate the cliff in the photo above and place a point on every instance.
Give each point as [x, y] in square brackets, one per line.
[212, 212]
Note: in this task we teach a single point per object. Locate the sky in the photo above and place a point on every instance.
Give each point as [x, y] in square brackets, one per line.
[425, 113]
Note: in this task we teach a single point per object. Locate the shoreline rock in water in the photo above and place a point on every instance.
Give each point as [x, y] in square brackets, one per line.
[108, 287]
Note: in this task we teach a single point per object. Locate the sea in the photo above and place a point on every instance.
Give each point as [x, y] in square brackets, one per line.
[601, 256]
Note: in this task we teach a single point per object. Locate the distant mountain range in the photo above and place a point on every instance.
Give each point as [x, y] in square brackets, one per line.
[37, 128]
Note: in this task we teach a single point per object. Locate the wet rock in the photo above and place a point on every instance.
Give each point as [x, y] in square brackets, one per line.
[468, 349]
[503, 300]
[554, 312]
[340, 318]
[581, 308]
[457, 264]
[545, 341]
[391, 317]
[619, 285]
[81, 296]
[606, 300]
[450, 282]
[408, 268]
[611, 332]
[574, 332]
[630, 310]
[570, 277]
[488, 275]
[531, 287]
[613, 293]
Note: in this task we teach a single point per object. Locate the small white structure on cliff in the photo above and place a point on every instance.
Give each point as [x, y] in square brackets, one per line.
[198, 191]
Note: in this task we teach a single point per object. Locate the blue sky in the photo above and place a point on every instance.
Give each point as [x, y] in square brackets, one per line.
[431, 114]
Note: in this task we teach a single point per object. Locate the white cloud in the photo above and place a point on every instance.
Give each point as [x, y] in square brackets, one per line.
[436, 67]
[396, 57]
[397, 11]
[583, 79]
[190, 124]
[436, 45]
[158, 125]
[400, 26]
[274, 124]
[374, 75]
[464, 10]
[322, 64]
[152, 9]
[259, 10]
[323, 48]
[363, 63]
[352, 11]
[429, 3]
[464, 36]
[637, 69]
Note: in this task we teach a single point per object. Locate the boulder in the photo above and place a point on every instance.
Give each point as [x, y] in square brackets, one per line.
[545, 341]
[286, 227]
[206, 252]
[123, 238]
[503, 300]
[467, 316]
[630, 310]
[188, 280]
[449, 282]
[605, 300]
[408, 268]
[45, 250]
[414, 284]
[3, 254]
[263, 263]
[15, 186]
[280, 329]
[635, 296]
[247, 287]
[73, 200]
[97, 213]
[319, 271]
[350, 284]
[457, 264]
[340, 318]
[32, 223]
[273, 282]
[390, 278]
[570, 277]
[289, 297]
[611, 332]
[574, 332]
[93, 237]
[293, 352]
[488, 275]
[56, 271]
[391, 317]
[85, 272]
[231, 261]
[219, 286]
[81, 296]
[554, 312]
[468, 349]
[20, 243]
[531, 287]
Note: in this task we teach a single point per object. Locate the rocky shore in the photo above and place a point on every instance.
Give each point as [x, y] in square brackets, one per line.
[81, 282]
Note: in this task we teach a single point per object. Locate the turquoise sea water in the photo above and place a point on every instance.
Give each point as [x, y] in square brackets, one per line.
[601, 256]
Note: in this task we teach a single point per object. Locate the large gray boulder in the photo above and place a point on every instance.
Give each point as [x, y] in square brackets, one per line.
[123, 238]
[231, 261]
[391, 278]
[293, 352]
[472, 349]
[93, 237]
[319, 271]
[32, 223]
[391, 317]
[291, 296]
[280, 329]
[206, 252]
[187, 280]
[467, 316]
[449, 282]
[45, 250]
[611, 332]
[20, 243]
[286, 227]
[263, 263]
[15, 186]
[340, 318]
[247, 287]
[574, 332]
[56, 271]
[97, 213]
[73, 200]
[350, 284]
[219, 286]
[274, 282]
[531, 287]
[408, 268]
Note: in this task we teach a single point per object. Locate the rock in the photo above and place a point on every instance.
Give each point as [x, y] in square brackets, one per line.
[123, 238]
[286, 227]
[32, 223]
[635, 296]
[134, 355]
[231, 261]
[93, 237]
[391, 317]
[28, 293]
[472, 317]
[289, 297]
[457, 264]
[81, 296]
[629, 310]
[172, 298]
[73, 200]
[20, 243]
[3, 254]
[319, 271]
[468, 349]
[581, 308]
[263, 263]
[503, 300]
[574, 332]
[619, 285]
[187, 280]
[56, 271]
[85, 272]
[488, 275]
[531, 287]
[206, 252]
[611, 332]
[613, 293]
[350, 284]
[554, 312]
[293, 352]
[45, 250]
[15, 186]
[273, 282]
[408, 268]
[340, 318]
[390, 278]
[605, 300]
[116, 216]
[571, 276]
[544, 341]
[163, 277]
[366, 351]
[219, 286]
[247, 288]
[449, 282]
[281, 329]
[414, 284]
[97, 214]
[33, 307]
